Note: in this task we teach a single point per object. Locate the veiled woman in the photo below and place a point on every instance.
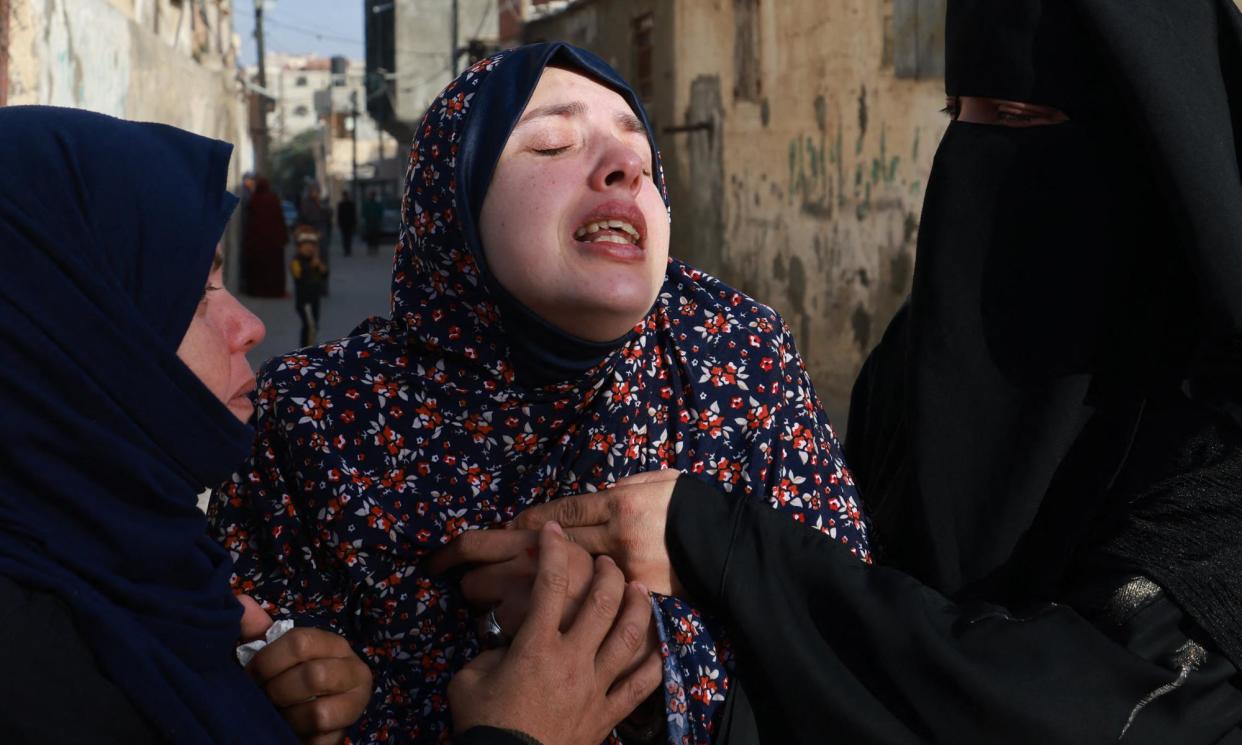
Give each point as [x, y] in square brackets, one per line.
[263, 245]
[542, 344]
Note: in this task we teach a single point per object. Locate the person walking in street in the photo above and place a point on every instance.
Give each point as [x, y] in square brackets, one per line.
[243, 215]
[372, 222]
[346, 221]
[310, 276]
[263, 244]
[314, 212]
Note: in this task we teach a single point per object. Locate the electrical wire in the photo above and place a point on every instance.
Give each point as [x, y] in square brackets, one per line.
[320, 34]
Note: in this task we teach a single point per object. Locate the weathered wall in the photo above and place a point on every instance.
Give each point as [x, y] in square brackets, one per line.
[607, 27]
[93, 54]
[806, 190]
[423, 32]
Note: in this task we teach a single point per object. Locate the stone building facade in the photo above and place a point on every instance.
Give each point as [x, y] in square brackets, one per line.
[170, 61]
[412, 53]
[379, 155]
[796, 137]
[293, 80]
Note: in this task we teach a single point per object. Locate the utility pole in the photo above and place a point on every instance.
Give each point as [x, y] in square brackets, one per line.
[258, 38]
[261, 134]
[453, 51]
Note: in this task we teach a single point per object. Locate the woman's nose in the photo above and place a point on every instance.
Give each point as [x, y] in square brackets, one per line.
[248, 329]
[619, 168]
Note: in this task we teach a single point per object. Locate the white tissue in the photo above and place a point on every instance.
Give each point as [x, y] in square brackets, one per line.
[247, 651]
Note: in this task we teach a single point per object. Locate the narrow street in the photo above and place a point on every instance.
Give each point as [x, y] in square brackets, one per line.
[359, 288]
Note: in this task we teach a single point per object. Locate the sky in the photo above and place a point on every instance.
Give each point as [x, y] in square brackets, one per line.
[322, 27]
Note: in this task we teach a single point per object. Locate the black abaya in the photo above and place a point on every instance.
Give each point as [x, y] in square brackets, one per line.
[825, 644]
[1048, 436]
[1067, 375]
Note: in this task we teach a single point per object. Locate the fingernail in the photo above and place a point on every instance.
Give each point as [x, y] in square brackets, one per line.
[555, 527]
[607, 559]
[641, 588]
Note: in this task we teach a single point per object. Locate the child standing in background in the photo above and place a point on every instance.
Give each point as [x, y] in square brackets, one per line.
[310, 276]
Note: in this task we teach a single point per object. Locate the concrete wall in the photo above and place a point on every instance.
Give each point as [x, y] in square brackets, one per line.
[607, 28]
[423, 43]
[807, 193]
[92, 54]
[795, 155]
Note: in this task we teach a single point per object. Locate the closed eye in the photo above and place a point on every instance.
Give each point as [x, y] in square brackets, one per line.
[206, 290]
[552, 150]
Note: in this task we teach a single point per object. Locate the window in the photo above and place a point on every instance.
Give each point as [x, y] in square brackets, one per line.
[644, 46]
[747, 82]
[301, 81]
[301, 111]
[918, 38]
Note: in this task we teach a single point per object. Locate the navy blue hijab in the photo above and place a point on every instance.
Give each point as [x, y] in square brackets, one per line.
[108, 231]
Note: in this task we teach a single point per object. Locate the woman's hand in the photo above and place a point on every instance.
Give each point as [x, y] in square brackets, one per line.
[507, 562]
[625, 521]
[564, 687]
[311, 675]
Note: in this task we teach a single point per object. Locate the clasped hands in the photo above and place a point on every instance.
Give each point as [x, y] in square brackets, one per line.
[624, 522]
[590, 542]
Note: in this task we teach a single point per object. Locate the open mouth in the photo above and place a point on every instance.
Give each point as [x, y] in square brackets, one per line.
[609, 231]
[615, 223]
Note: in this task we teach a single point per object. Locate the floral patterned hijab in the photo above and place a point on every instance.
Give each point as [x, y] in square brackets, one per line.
[376, 450]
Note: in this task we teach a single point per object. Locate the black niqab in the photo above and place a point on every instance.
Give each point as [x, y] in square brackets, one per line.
[1033, 51]
[1070, 354]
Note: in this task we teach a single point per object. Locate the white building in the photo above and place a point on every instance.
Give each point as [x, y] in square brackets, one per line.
[341, 106]
[293, 80]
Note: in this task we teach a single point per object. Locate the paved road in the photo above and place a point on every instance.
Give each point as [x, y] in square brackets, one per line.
[359, 288]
